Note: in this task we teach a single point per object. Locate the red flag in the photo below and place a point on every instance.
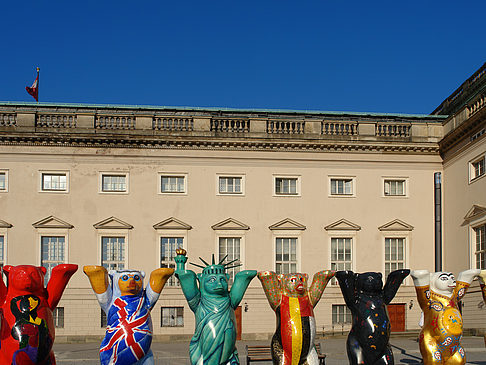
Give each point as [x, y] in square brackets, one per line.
[34, 89]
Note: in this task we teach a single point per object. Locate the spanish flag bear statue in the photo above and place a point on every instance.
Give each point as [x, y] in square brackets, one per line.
[27, 325]
[293, 303]
[127, 306]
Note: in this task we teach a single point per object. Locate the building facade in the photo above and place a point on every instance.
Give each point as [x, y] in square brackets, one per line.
[124, 186]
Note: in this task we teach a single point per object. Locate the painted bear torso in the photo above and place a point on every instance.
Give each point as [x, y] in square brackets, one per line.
[296, 329]
[371, 323]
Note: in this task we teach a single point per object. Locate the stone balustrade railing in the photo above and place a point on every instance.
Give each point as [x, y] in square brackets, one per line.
[173, 124]
[311, 125]
[56, 120]
[339, 128]
[230, 125]
[474, 107]
[7, 119]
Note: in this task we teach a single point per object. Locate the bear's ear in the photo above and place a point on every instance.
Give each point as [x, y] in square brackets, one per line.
[306, 276]
[280, 277]
[43, 269]
[142, 273]
[7, 268]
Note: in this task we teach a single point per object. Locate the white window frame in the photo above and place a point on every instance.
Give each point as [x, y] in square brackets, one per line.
[172, 174]
[52, 232]
[113, 233]
[472, 177]
[236, 176]
[298, 186]
[478, 222]
[4, 171]
[342, 234]
[55, 317]
[474, 235]
[53, 172]
[3, 232]
[113, 173]
[405, 179]
[407, 236]
[391, 261]
[342, 177]
[172, 306]
[232, 234]
[347, 313]
[287, 234]
[164, 233]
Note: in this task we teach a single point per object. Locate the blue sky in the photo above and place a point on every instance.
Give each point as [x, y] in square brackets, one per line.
[363, 56]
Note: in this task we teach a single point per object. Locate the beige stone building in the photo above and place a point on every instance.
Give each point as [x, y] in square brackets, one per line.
[123, 186]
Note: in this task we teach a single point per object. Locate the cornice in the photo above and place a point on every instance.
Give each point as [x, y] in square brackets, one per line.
[205, 143]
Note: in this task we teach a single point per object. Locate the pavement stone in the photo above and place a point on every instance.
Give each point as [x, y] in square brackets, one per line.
[405, 350]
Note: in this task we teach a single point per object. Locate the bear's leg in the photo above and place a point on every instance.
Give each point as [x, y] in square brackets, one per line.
[148, 359]
[312, 358]
[278, 355]
[387, 358]
[355, 351]
[429, 350]
[459, 357]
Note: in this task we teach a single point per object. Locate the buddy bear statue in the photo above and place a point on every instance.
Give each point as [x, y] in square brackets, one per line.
[214, 306]
[127, 306]
[438, 295]
[367, 299]
[27, 326]
[293, 341]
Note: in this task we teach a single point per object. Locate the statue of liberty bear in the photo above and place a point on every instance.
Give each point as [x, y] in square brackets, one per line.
[127, 306]
[214, 306]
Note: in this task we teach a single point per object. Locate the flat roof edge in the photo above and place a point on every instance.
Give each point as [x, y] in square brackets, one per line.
[223, 109]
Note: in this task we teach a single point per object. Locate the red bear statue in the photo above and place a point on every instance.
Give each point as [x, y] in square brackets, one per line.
[27, 327]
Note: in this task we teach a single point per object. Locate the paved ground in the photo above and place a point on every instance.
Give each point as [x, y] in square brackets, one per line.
[405, 350]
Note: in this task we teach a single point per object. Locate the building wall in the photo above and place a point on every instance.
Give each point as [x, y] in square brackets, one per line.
[201, 208]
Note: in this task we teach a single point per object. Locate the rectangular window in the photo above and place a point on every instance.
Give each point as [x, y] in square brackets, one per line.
[394, 254]
[286, 255]
[230, 246]
[341, 258]
[113, 253]
[173, 184]
[54, 182]
[341, 314]
[394, 187]
[52, 253]
[341, 186]
[172, 316]
[230, 185]
[2, 251]
[168, 247]
[286, 186]
[58, 316]
[3, 181]
[114, 183]
[480, 233]
[477, 169]
[103, 319]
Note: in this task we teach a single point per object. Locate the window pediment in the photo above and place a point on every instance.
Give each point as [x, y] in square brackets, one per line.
[112, 223]
[52, 222]
[396, 225]
[230, 224]
[475, 212]
[342, 225]
[4, 224]
[172, 223]
[287, 224]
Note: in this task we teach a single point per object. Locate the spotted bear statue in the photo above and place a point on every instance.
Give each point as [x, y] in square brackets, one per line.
[27, 325]
[367, 298]
[293, 303]
[438, 295]
[127, 306]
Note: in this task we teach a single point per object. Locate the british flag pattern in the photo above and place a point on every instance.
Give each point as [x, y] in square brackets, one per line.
[129, 331]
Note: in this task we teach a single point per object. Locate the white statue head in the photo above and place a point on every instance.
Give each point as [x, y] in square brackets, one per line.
[442, 283]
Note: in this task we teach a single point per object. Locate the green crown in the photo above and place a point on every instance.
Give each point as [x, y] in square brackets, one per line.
[213, 268]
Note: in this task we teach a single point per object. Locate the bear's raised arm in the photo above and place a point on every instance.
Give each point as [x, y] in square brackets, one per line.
[347, 283]
[393, 282]
[319, 283]
[188, 280]
[60, 276]
[271, 287]
[240, 284]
